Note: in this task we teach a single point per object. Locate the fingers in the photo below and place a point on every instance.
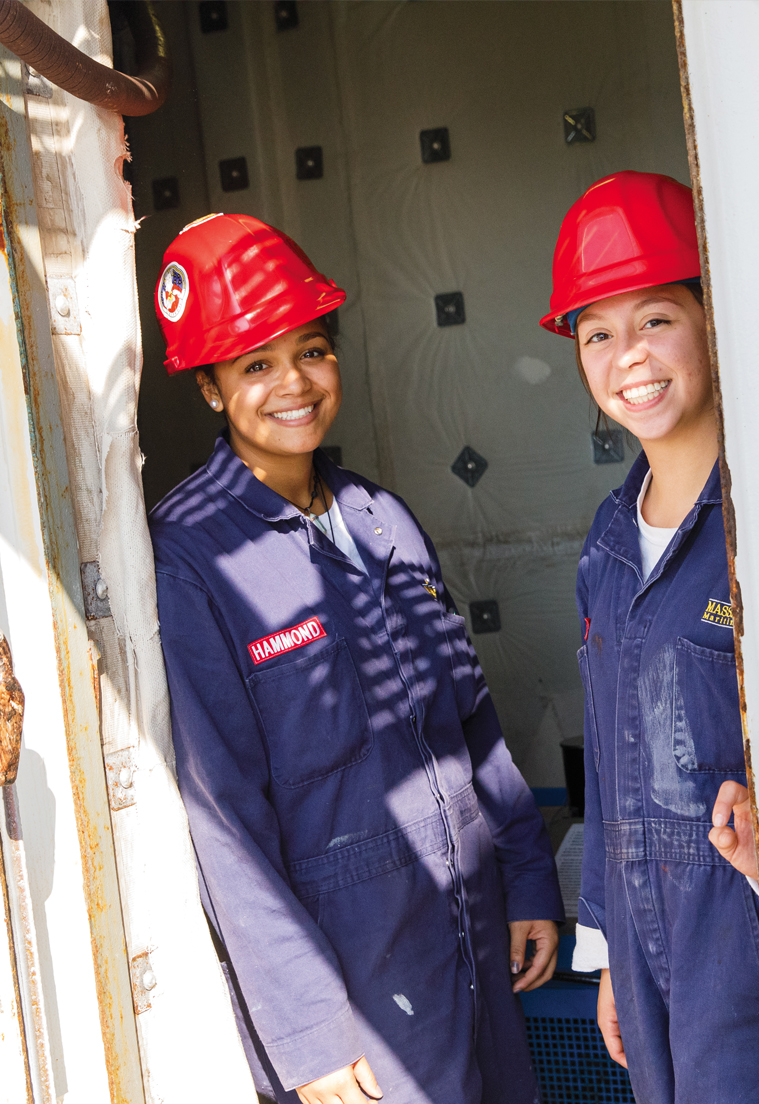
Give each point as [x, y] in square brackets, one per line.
[730, 794]
[607, 1020]
[366, 1079]
[519, 931]
[540, 968]
[343, 1086]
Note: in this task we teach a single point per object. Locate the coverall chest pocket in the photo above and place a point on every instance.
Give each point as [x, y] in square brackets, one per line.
[313, 716]
[591, 731]
[707, 722]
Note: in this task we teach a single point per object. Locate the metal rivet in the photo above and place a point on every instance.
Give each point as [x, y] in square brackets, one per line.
[471, 986]
[125, 777]
[378, 531]
[149, 980]
[101, 588]
[62, 306]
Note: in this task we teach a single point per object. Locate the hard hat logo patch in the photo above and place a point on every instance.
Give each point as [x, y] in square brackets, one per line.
[172, 291]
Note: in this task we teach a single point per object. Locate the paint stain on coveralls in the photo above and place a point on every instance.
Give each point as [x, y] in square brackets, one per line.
[403, 1003]
[669, 788]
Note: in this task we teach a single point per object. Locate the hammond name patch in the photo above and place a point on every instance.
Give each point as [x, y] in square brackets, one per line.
[278, 643]
[718, 613]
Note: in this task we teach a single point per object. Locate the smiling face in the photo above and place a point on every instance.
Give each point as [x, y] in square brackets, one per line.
[646, 361]
[281, 399]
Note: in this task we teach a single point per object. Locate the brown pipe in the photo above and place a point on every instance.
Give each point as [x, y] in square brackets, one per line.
[62, 64]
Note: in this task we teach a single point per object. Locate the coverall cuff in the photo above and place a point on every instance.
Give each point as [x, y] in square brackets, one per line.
[303, 1058]
[591, 950]
[534, 899]
[591, 915]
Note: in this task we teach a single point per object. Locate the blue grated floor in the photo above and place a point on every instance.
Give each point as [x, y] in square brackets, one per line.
[572, 1063]
[570, 1058]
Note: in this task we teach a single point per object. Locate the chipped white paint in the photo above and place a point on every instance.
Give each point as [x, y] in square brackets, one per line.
[403, 1003]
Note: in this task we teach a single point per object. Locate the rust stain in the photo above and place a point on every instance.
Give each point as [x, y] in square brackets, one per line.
[728, 509]
[14, 971]
[11, 716]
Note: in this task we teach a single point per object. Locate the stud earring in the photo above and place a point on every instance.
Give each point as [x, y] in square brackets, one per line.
[214, 404]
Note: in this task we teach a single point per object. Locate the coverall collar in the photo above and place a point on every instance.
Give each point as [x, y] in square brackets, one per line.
[229, 471]
[621, 537]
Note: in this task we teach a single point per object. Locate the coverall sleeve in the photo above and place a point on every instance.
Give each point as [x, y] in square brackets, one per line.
[287, 970]
[592, 908]
[523, 848]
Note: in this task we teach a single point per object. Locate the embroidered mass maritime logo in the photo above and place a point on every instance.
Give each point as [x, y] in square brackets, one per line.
[718, 613]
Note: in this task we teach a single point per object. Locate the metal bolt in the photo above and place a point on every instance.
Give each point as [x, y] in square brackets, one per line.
[450, 309]
[62, 306]
[126, 777]
[149, 980]
[378, 531]
[437, 145]
[101, 588]
[470, 465]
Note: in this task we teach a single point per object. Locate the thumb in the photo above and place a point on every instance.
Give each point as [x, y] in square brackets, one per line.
[362, 1071]
[725, 840]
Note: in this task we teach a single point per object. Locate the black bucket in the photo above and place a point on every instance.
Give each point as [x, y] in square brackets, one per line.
[574, 772]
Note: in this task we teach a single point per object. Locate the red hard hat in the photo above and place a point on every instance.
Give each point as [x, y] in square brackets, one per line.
[230, 283]
[631, 230]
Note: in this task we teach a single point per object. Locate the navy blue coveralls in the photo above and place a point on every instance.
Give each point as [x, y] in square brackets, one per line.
[662, 732]
[362, 834]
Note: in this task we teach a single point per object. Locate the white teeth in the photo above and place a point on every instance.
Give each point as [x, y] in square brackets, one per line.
[638, 395]
[291, 415]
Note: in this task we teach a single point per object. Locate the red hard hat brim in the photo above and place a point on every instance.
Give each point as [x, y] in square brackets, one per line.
[233, 350]
[549, 321]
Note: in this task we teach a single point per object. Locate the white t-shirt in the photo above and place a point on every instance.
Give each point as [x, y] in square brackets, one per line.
[591, 952]
[333, 527]
[652, 539]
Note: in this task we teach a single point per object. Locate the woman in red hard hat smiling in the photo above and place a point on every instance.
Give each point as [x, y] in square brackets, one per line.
[371, 860]
[673, 926]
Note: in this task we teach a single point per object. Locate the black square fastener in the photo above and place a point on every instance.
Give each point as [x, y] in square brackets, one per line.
[436, 145]
[469, 466]
[449, 309]
[580, 125]
[285, 14]
[213, 16]
[608, 446]
[485, 615]
[234, 174]
[309, 163]
[165, 193]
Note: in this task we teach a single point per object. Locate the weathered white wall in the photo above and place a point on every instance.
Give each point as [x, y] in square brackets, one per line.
[362, 80]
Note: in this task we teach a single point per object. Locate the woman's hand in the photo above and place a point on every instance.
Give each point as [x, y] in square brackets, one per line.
[607, 1020]
[539, 968]
[350, 1085]
[735, 846]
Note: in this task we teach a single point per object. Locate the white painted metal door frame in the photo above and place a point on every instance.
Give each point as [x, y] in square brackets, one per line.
[718, 44]
[62, 901]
